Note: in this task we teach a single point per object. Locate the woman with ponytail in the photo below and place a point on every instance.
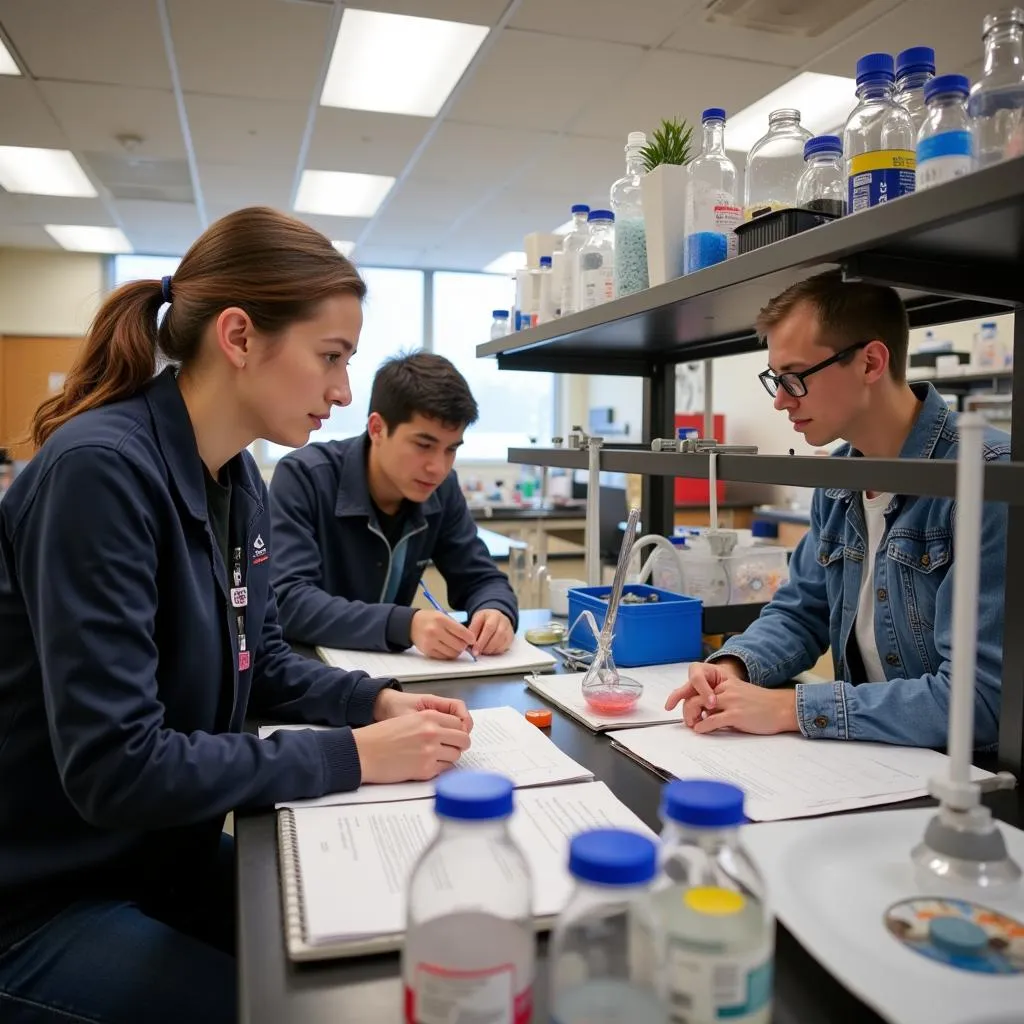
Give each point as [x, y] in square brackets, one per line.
[139, 629]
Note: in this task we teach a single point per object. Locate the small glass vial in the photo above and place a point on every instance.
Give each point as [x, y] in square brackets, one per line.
[915, 68]
[470, 942]
[499, 325]
[597, 260]
[945, 146]
[822, 187]
[606, 950]
[774, 165]
[572, 243]
[626, 199]
[996, 104]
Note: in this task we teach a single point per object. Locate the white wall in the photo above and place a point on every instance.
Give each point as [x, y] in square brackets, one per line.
[51, 294]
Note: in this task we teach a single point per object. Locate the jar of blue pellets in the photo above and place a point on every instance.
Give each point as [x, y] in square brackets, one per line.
[630, 232]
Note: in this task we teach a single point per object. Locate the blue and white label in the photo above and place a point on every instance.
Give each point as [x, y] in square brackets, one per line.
[944, 157]
[879, 177]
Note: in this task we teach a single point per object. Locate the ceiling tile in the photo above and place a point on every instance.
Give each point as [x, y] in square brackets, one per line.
[25, 209]
[405, 231]
[387, 256]
[244, 185]
[160, 228]
[25, 119]
[337, 229]
[424, 198]
[471, 151]
[359, 140]
[25, 236]
[230, 130]
[641, 22]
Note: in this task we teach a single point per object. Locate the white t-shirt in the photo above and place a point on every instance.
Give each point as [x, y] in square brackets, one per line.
[864, 628]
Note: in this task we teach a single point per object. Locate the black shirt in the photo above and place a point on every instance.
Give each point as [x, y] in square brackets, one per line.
[392, 526]
[218, 508]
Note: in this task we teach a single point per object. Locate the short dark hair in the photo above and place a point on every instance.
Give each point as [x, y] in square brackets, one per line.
[424, 383]
[848, 312]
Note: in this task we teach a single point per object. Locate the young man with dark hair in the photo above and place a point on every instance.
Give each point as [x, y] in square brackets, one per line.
[356, 522]
[873, 576]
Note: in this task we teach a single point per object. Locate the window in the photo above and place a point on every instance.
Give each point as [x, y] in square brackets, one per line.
[132, 268]
[514, 406]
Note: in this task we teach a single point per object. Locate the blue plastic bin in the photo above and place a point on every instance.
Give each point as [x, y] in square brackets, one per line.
[665, 631]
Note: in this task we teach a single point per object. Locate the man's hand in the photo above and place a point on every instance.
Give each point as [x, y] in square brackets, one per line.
[393, 703]
[492, 632]
[410, 747]
[704, 678]
[438, 635]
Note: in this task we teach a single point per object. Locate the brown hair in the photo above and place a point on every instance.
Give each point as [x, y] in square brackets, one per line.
[848, 312]
[424, 383]
[272, 266]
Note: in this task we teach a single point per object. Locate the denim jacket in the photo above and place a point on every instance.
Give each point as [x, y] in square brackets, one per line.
[913, 585]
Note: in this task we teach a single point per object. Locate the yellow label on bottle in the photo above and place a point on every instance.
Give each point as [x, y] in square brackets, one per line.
[714, 901]
[883, 160]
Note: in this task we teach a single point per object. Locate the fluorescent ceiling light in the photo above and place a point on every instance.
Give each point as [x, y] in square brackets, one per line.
[345, 248]
[506, 263]
[43, 172]
[823, 101]
[7, 65]
[342, 193]
[80, 238]
[398, 64]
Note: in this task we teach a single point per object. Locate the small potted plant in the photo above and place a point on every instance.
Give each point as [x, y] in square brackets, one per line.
[664, 196]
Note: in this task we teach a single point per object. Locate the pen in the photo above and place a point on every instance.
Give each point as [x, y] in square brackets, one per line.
[433, 600]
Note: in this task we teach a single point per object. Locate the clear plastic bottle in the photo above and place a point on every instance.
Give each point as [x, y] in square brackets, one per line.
[712, 207]
[630, 233]
[774, 165]
[546, 303]
[470, 941]
[996, 104]
[915, 68]
[822, 186]
[499, 325]
[571, 245]
[597, 260]
[606, 950]
[945, 147]
[719, 934]
[879, 140]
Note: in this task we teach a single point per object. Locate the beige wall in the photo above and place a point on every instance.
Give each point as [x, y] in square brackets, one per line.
[50, 294]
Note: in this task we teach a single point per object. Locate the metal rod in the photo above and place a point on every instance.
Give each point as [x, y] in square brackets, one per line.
[605, 640]
[709, 400]
[713, 488]
[593, 526]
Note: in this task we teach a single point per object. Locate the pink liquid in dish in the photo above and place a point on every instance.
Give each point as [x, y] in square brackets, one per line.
[611, 702]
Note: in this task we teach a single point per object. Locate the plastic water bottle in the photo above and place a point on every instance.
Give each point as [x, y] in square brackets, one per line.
[822, 186]
[571, 245]
[719, 934]
[996, 104]
[597, 260]
[712, 210]
[774, 165]
[607, 947]
[915, 68]
[630, 232]
[499, 325]
[945, 147]
[547, 302]
[879, 140]
[470, 943]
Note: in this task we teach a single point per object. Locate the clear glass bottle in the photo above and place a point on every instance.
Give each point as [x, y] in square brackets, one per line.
[606, 950]
[597, 260]
[630, 233]
[915, 68]
[822, 186]
[945, 146]
[719, 933]
[546, 304]
[996, 103]
[470, 943]
[878, 140]
[571, 245]
[712, 207]
[774, 165]
[499, 325]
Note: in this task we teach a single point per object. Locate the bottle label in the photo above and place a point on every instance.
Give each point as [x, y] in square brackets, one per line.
[726, 216]
[879, 177]
[598, 285]
[944, 157]
[440, 995]
[705, 987]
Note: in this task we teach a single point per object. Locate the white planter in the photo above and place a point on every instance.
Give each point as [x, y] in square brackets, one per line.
[664, 198]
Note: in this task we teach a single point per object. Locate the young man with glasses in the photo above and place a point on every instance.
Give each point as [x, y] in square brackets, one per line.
[872, 579]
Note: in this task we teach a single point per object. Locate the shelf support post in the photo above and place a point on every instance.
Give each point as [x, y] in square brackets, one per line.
[658, 515]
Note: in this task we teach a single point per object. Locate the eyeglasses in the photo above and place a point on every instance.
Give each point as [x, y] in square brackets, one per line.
[793, 383]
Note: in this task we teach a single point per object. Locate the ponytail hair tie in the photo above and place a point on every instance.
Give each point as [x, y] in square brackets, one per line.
[165, 287]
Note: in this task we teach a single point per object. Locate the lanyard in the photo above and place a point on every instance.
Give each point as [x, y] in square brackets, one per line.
[239, 600]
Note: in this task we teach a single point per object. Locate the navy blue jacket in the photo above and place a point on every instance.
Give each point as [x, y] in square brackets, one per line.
[333, 562]
[117, 636]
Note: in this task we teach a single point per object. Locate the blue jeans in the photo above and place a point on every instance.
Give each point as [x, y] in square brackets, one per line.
[166, 959]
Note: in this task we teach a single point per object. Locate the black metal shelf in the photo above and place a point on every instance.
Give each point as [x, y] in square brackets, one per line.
[967, 381]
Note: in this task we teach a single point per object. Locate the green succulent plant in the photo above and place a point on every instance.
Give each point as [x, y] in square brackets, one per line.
[669, 144]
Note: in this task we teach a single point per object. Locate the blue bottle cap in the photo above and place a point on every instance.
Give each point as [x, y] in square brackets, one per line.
[600, 215]
[956, 84]
[500, 313]
[713, 114]
[823, 144]
[915, 58]
[875, 66]
[580, 208]
[545, 261]
[473, 796]
[703, 803]
[764, 528]
[612, 856]
[958, 936]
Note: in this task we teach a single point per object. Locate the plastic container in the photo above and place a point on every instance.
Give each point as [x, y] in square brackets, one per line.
[945, 147]
[822, 186]
[915, 68]
[773, 227]
[764, 533]
[996, 104]
[607, 948]
[657, 633]
[774, 165]
[547, 301]
[470, 943]
[879, 140]
[750, 575]
[630, 232]
[571, 245]
[719, 933]
[597, 260]
[499, 325]
[712, 207]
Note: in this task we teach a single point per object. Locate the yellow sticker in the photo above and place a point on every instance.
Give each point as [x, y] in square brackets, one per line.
[712, 900]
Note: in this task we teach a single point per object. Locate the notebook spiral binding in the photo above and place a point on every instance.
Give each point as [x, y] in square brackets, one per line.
[291, 886]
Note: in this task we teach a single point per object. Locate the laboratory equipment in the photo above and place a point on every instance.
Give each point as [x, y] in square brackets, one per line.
[719, 933]
[597, 260]
[470, 943]
[713, 210]
[499, 325]
[774, 165]
[996, 103]
[915, 67]
[879, 140]
[546, 301]
[945, 147]
[607, 947]
[822, 186]
[572, 243]
[630, 233]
